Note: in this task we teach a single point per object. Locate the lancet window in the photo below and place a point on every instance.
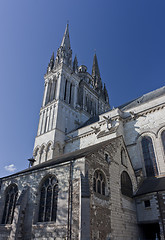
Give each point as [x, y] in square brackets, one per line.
[65, 91]
[149, 156]
[99, 182]
[70, 96]
[123, 157]
[126, 184]
[10, 202]
[163, 139]
[48, 200]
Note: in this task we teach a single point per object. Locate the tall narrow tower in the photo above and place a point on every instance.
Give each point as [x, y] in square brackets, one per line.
[71, 97]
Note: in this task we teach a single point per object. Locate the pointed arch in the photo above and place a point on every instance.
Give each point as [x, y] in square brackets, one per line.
[126, 184]
[42, 153]
[123, 157]
[48, 150]
[70, 93]
[149, 156]
[48, 199]
[65, 90]
[163, 139]
[99, 183]
[10, 202]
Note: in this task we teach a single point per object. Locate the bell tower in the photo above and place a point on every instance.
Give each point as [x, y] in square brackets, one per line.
[71, 97]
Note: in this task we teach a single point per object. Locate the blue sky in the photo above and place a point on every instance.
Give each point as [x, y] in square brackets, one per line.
[129, 38]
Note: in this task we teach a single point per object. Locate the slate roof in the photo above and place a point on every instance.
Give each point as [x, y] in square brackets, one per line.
[66, 157]
[143, 99]
[150, 185]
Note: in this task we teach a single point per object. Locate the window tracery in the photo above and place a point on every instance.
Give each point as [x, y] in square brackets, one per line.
[10, 202]
[149, 156]
[99, 182]
[48, 200]
[126, 184]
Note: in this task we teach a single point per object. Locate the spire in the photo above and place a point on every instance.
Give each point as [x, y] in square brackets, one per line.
[75, 64]
[64, 53]
[96, 74]
[95, 68]
[66, 40]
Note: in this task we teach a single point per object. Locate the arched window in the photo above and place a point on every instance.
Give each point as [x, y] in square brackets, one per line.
[65, 90]
[42, 154]
[70, 96]
[99, 182]
[123, 157]
[48, 200]
[126, 184]
[149, 157]
[163, 139]
[10, 202]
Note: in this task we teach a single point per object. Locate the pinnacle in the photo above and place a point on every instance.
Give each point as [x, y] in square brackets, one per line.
[95, 67]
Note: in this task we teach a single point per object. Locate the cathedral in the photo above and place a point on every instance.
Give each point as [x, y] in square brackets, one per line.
[97, 173]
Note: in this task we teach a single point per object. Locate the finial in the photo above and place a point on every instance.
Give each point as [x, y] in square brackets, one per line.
[95, 51]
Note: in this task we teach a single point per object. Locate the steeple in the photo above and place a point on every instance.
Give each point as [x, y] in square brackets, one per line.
[64, 53]
[96, 74]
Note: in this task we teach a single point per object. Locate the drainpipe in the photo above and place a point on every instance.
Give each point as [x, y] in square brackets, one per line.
[70, 193]
[161, 216]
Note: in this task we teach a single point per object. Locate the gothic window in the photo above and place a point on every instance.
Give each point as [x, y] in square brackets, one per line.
[107, 158]
[123, 157]
[149, 157]
[10, 202]
[99, 182]
[48, 200]
[54, 93]
[163, 139]
[46, 120]
[50, 88]
[126, 184]
[66, 83]
[70, 95]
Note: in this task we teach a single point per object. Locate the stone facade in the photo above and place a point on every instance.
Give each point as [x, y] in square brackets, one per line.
[92, 176]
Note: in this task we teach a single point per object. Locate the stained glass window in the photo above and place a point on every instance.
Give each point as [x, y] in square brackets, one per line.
[126, 184]
[10, 202]
[99, 182]
[48, 200]
[149, 157]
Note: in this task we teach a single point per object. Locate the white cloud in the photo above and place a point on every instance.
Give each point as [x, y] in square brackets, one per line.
[10, 168]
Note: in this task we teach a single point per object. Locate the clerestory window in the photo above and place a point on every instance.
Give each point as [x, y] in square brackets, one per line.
[149, 157]
[99, 182]
[10, 202]
[48, 200]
